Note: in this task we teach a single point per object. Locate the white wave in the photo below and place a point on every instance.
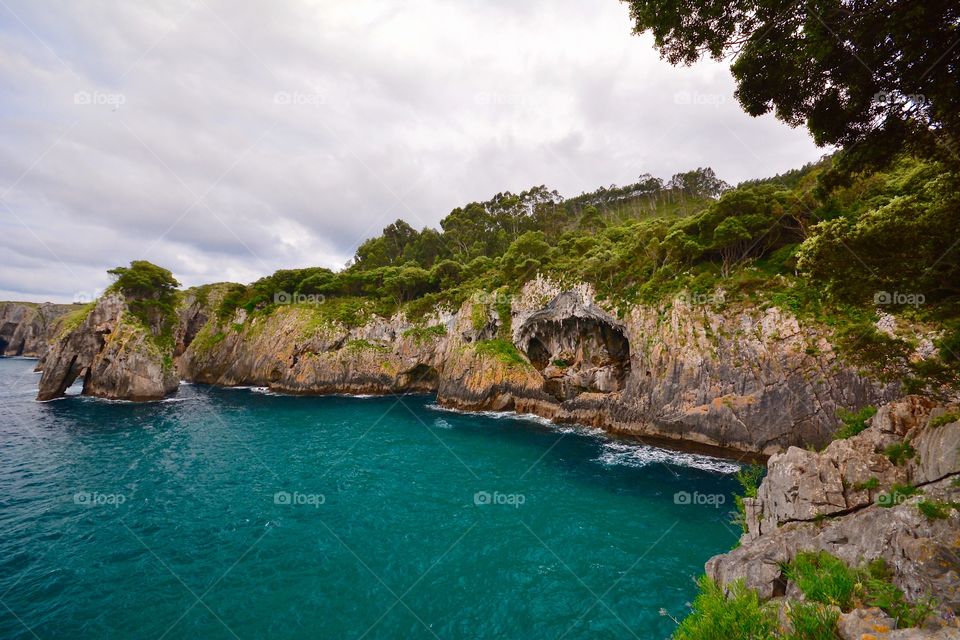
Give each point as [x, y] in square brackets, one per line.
[496, 415]
[442, 424]
[638, 455]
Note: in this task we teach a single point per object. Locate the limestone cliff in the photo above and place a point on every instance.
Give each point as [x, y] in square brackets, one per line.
[26, 328]
[113, 353]
[738, 378]
[862, 499]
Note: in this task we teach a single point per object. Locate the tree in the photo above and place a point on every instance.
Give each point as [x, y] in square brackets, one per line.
[143, 280]
[873, 76]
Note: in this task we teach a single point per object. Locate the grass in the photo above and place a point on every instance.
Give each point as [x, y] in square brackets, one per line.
[934, 510]
[422, 335]
[823, 578]
[853, 422]
[749, 478]
[502, 350]
[945, 419]
[868, 485]
[720, 616]
[899, 453]
[826, 579]
[812, 621]
[363, 345]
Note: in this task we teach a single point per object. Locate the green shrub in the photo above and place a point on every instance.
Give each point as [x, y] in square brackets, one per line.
[502, 350]
[749, 477]
[900, 452]
[853, 423]
[934, 510]
[945, 419]
[422, 335]
[823, 578]
[717, 616]
[868, 485]
[812, 621]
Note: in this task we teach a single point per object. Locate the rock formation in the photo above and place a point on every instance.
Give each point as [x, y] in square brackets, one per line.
[860, 499]
[26, 328]
[737, 378]
[113, 353]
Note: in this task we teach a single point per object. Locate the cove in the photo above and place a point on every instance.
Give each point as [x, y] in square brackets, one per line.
[223, 513]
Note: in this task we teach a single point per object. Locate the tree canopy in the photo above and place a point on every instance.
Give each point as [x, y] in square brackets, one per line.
[875, 77]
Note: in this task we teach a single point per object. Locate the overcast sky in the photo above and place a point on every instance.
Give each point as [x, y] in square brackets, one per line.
[224, 140]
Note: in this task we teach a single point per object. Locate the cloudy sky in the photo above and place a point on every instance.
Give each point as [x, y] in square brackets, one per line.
[224, 140]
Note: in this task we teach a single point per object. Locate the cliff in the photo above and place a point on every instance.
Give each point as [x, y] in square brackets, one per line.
[890, 493]
[737, 378]
[26, 328]
[112, 352]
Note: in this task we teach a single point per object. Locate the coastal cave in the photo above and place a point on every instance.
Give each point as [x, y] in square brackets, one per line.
[422, 377]
[577, 349]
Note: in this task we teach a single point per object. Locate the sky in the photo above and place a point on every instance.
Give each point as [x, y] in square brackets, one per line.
[225, 140]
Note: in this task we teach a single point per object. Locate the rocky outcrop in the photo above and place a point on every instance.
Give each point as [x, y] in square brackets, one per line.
[855, 501]
[26, 328]
[736, 378]
[114, 355]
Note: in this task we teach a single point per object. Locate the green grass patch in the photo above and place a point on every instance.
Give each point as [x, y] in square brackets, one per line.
[853, 422]
[899, 453]
[812, 621]
[945, 419]
[934, 510]
[503, 350]
[726, 616]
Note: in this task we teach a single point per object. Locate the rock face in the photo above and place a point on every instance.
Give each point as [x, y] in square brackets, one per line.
[842, 500]
[741, 379]
[115, 356]
[25, 328]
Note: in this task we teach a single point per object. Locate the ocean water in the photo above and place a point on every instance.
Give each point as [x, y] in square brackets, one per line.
[234, 513]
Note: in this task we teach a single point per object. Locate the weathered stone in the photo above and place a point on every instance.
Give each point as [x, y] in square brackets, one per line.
[26, 328]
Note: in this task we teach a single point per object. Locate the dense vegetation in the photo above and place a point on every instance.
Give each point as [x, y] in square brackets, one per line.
[151, 295]
[876, 77]
[828, 585]
[835, 255]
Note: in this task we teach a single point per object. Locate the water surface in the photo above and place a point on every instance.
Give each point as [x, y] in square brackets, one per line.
[224, 513]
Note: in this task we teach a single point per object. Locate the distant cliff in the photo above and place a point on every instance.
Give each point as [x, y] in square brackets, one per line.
[738, 378]
[26, 327]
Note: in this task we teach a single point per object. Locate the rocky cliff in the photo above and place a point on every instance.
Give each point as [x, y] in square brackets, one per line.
[738, 378]
[891, 492]
[26, 328]
[112, 352]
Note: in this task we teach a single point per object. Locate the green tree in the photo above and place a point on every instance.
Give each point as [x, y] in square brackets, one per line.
[873, 76]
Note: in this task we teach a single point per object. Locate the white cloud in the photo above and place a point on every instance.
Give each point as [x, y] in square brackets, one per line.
[225, 140]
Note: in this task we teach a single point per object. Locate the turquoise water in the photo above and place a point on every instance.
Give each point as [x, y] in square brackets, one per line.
[226, 513]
